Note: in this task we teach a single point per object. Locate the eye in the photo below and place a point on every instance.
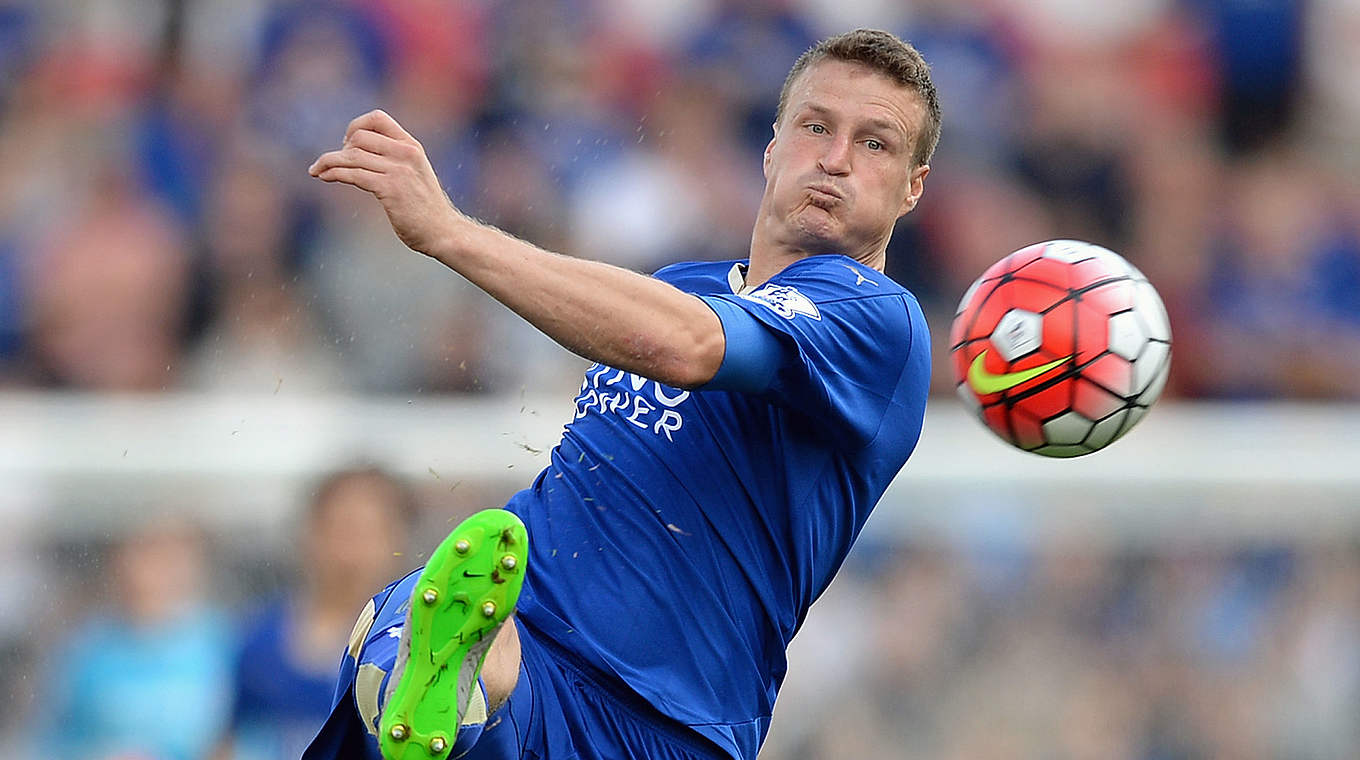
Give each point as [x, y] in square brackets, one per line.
[873, 144]
[817, 129]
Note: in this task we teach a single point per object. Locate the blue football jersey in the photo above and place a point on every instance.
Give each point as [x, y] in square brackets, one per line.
[678, 538]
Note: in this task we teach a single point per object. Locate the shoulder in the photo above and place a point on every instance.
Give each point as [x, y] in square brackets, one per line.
[835, 283]
[831, 277]
[699, 276]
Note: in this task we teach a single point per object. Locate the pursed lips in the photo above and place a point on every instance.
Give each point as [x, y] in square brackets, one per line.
[826, 191]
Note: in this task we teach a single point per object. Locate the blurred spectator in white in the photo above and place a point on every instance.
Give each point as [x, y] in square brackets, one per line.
[351, 538]
[1332, 57]
[688, 191]
[261, 336]
[221, 39]
[147, 676]
[385, 309]
[1318, 660]
[828, 17]
[1074, 24]
[657, 25]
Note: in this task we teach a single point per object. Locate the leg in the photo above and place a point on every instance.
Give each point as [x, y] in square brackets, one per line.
[457, 607]
[500, 672]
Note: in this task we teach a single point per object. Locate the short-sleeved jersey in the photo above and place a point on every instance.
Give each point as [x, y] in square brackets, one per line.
[678, 538]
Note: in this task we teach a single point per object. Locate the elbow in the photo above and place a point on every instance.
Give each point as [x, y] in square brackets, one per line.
[695, 361]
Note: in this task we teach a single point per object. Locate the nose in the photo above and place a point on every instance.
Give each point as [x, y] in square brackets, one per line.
[836, 159]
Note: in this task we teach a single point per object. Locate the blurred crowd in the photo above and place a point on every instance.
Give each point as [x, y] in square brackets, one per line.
[158, 229]
[975, 646]
[158, 232]
[160, 649]
[1081, 650]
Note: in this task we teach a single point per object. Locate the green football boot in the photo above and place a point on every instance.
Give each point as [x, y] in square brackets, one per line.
[463, 596]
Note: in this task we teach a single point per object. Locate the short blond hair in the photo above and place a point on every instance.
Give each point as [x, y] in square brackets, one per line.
[888, 55]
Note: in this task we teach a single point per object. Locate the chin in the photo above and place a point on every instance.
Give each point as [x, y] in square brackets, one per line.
[819, 237]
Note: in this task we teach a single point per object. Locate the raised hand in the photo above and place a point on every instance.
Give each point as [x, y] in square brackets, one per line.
[382, 158]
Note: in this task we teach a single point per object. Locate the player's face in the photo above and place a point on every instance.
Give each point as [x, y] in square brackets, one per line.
[839, 171]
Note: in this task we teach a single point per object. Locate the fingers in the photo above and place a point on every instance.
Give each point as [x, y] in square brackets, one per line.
[364, 179]
[352, 157]
[377, 143]
[378, 121]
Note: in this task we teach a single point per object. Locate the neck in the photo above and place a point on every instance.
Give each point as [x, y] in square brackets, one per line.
[772, 249]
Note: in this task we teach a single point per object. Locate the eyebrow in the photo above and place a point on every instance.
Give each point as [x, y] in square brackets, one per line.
[877, 123]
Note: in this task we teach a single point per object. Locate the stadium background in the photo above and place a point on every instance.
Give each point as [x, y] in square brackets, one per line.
[192, 333]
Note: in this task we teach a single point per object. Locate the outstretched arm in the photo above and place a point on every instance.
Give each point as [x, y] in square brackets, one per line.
[601, 312]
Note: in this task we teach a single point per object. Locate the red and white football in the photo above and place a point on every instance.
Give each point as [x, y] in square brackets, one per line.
[1061, 347]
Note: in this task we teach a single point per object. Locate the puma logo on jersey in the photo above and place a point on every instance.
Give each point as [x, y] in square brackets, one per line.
[787, 302]
[860, 279]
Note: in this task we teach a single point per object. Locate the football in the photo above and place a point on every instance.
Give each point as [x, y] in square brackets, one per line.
[1060, 347]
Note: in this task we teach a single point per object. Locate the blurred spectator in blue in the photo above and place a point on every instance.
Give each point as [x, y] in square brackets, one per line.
[1232, 624]
[1280, 319]
[973, 63]
[11, 309]
[746, 47]
[1259, 50]
[179, 139]
[517, 191]
[147, 677]
[561, 88]
[18, 43]
[321, 64]
[351, 542]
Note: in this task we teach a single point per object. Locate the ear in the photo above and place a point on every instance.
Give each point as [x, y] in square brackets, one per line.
[765, 162]
[916, 184]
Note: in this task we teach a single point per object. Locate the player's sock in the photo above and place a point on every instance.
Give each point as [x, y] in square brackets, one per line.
[471, 724]
[463, 596]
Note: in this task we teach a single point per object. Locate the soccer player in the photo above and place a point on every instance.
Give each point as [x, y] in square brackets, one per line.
[741, 421]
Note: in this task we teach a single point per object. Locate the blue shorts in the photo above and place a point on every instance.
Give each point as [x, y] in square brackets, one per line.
[561, 708]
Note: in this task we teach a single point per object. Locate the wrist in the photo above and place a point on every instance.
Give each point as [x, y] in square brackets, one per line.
[452, 237]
